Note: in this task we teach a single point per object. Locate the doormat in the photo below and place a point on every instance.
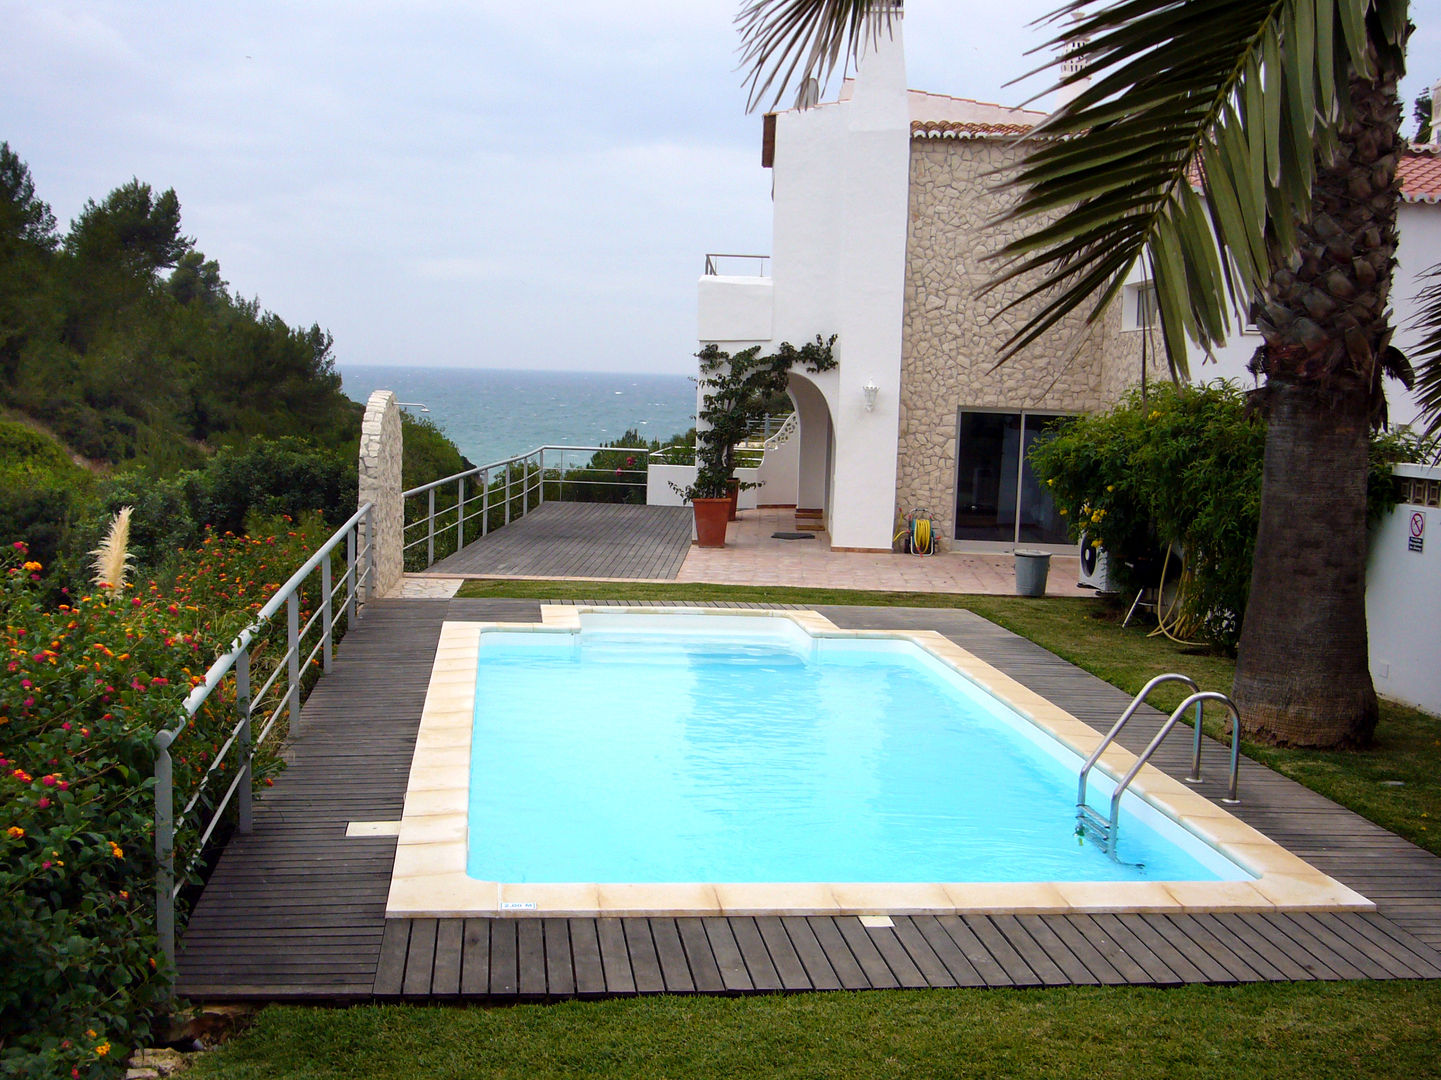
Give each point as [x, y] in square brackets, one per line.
[793, 536]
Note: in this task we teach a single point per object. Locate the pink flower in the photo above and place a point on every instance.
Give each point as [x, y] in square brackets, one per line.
[49, 779]
[135, 601]
[63, 785]
[44, 802]
[65, 726]
[28, 702]
[19, 545]
[26, 684]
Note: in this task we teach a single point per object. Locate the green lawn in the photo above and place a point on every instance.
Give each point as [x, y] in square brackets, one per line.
[1088, 633]
[1285, 1031]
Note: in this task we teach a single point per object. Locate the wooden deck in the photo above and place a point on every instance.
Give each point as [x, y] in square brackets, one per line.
[581, 540]
[295, 911]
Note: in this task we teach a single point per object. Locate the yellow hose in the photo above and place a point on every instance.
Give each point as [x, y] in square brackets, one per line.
[922, 544]
[1163, 616]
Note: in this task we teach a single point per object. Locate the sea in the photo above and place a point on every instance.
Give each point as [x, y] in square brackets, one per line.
[493, 414]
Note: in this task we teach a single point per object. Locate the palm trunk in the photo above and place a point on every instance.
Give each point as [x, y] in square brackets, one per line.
[1303, 675]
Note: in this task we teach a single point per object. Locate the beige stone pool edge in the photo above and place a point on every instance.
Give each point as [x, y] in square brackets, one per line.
[429, 878]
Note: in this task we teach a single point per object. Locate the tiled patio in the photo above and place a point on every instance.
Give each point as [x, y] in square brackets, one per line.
[752, 556]
[639, 543]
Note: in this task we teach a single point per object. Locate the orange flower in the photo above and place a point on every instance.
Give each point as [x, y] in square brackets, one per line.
[15, 832]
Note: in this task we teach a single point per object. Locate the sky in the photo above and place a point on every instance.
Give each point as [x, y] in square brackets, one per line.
[456, 182]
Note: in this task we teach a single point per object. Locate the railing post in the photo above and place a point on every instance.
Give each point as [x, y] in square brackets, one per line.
[371, 591]
[484, 501]
[540, 500]
[430, 530]
[327, 618]
[508, 466]
[292, 658]
[245, 820]
[352, 579]
[525, 487]
[459, 512]
[165, 848]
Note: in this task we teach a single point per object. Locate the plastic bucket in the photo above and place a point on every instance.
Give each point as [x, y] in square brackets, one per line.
[1031, 570]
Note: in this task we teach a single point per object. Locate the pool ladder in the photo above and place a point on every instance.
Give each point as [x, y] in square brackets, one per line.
[1089, 821]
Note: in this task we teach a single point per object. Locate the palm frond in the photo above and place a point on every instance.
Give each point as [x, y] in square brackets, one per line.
[1238, 92]
[1426, 357]
[782, 40]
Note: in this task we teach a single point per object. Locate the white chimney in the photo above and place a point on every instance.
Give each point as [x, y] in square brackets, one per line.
[1070, 64]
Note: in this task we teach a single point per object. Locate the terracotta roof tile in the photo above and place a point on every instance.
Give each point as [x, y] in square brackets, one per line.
[954, 129]
[1420, 172]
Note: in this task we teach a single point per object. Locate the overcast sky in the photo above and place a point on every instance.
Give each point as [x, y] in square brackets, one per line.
[455, 182]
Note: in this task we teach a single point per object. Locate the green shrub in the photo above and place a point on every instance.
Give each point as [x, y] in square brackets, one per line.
[40, 488]
[272, 477]
[1181, 466]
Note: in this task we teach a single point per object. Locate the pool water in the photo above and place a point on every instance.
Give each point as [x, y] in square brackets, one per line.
[619, 756]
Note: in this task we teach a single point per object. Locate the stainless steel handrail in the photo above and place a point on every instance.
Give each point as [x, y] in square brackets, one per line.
[1086, 816]
[525, 477]
[1136, 703]
[355, 583]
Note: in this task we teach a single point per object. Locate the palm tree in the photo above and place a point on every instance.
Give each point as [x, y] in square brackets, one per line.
[1287, 109]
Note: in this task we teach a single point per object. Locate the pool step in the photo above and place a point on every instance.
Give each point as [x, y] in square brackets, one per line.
[1088, 822]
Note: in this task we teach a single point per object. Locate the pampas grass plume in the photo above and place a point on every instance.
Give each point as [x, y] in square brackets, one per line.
[112, 560]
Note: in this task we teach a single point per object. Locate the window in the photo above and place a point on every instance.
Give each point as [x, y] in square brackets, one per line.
[998, 498]
[1139, 310]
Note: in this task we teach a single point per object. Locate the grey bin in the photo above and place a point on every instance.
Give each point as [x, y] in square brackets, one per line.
[1031, 570]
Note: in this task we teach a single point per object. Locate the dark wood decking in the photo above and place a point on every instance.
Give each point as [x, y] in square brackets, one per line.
[581, 540]
[295, 911]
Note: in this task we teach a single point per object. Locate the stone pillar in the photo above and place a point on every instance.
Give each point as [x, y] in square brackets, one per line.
[380, 485]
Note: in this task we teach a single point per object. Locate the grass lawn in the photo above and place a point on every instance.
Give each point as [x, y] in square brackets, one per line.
[1088, 633]
[1331, 1030]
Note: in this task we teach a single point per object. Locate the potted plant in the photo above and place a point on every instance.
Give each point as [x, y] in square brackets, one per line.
[734, 390]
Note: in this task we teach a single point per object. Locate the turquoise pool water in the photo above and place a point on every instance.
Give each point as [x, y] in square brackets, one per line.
[664, 756]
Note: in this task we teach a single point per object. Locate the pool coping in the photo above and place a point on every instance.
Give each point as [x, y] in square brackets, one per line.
[429, 878]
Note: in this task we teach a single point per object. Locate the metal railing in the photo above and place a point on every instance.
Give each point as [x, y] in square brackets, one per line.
[762, 270]
[471, 504]
[328, 618]
[1089, 821]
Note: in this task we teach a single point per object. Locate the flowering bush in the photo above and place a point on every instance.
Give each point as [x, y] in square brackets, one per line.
[84, 687]
[1180, 465]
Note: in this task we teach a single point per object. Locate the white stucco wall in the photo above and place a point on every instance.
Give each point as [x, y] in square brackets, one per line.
[841, 172]
[1403, 596]
[731, 309]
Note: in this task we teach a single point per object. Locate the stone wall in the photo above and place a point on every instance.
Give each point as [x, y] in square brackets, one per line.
[380, 485]
[952, 336]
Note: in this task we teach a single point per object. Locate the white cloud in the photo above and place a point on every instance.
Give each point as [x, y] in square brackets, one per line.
[447, 181]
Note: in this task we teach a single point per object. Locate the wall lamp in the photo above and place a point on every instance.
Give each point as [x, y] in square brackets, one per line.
[870, 390]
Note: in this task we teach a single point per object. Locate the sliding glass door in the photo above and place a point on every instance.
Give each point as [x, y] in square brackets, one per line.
[998, 499]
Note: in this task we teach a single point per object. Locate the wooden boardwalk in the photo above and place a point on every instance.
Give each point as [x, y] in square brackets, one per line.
[295, 911]
[581, 540]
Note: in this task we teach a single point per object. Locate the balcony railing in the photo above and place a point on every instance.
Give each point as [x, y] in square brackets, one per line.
[749, 265]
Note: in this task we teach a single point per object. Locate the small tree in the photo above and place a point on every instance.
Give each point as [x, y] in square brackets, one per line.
[735, 390]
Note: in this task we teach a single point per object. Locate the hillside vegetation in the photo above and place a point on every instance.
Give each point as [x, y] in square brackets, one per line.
[121, 346]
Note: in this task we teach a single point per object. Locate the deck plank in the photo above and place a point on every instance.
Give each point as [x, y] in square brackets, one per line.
[295, 910]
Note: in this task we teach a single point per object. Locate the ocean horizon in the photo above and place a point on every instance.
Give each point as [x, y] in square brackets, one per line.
[495, 413]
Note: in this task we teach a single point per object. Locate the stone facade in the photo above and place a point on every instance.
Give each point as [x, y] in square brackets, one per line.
[952, 335]
[381, 444]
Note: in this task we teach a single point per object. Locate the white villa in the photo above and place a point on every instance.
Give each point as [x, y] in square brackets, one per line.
[880, 199]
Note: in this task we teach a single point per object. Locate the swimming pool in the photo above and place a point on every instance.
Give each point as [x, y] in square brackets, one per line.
[861, 796]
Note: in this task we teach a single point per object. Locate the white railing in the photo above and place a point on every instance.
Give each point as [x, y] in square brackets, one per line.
[327, 622]
[494, 495]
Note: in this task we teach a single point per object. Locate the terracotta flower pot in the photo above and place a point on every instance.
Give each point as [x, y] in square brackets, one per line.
[733, 494]
[710, 521]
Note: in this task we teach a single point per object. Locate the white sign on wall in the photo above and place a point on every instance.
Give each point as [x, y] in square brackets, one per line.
[1417, 540]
